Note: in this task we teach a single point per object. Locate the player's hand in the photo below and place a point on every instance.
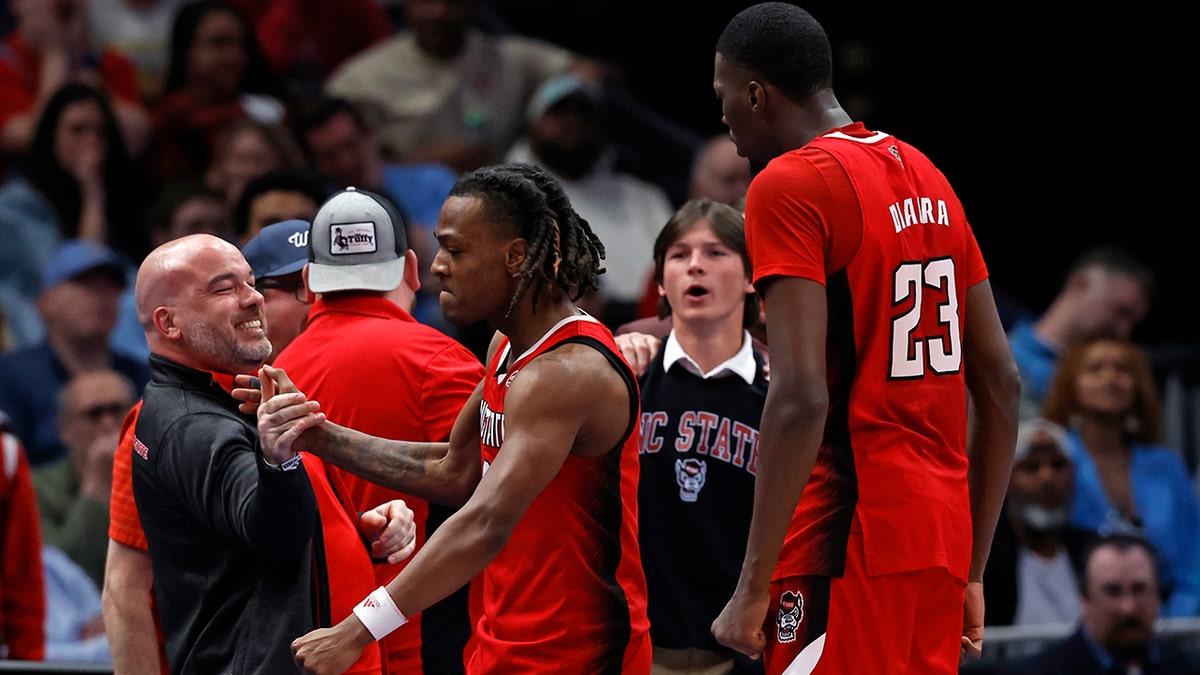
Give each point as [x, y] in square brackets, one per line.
[638, 349]
[391, 529]
[330, 651]
[284, 415]
[972, 637]
[740, 624]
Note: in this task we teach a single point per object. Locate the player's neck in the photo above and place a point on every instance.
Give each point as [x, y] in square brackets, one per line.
[526, 325]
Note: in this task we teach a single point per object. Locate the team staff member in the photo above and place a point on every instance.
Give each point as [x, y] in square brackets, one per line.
[361, 339]
[881, 321]
[231, 527]
[551, 520]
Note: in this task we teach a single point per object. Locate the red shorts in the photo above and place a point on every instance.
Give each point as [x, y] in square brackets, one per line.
[910, 622]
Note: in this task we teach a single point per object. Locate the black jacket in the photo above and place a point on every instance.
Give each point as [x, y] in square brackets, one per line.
[1074, 656]
[230, 538]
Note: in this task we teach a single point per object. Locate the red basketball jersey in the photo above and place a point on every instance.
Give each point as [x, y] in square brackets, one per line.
[567, 593]
[872, 219]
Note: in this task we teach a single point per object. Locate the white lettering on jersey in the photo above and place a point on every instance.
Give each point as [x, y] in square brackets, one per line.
[491, 426]
[919, 211]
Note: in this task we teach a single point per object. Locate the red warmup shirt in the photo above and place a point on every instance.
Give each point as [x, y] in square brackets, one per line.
[873, 220]
[22, 585]
[377, 370]
[20, 68]
[342, 569]
[567, 593]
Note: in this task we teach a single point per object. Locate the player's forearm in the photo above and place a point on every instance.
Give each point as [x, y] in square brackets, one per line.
[421, 469]
[990, 455]
[789, 438]
[456, 553]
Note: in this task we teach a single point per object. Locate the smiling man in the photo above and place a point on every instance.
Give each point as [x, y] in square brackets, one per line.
[230, 526]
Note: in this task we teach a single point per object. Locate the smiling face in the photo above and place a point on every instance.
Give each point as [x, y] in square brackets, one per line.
[471, 263]
[196, 299]
[703, 278]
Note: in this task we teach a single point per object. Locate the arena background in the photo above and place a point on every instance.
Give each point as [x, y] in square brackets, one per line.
[1060, 127]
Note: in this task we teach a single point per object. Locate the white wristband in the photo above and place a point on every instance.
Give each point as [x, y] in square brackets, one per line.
[379, 613]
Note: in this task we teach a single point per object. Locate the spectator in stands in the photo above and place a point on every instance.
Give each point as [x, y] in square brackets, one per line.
[189, 206]
[1119, 593]
[82, 288]
[48, 48]
[74, 621]
[1125, 480]
[1106, 293]
[304, 41]
[217, 74]
[1031, 573]
[246, 149]
[342, 146]
[139, 29]
[443, 90]
[568, 137]
[276, 196]
[718, 172]
[22, 585]
[73, 491]
[77, 181]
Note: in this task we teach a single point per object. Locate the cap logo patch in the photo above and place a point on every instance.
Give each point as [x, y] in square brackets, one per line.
[351, 238]
[299, 239]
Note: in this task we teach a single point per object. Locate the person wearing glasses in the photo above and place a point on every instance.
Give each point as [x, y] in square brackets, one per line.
[73, 492]
[277, 254]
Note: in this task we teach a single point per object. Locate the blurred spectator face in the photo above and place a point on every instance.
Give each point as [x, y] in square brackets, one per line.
[199, 214]
[1105, 383]
[217, 59]
[344, 152]
[568, 137]
[1120, 604]
[439, 26]
[80, 133]
[1112, 305]
[247, 155]
[94, 405]
[83, 307]
[1040, 489]
[720, 174]
[276, 206]
[286, 306]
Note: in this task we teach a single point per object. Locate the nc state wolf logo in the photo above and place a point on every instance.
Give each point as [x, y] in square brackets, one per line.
[689, 474]
[791, 611]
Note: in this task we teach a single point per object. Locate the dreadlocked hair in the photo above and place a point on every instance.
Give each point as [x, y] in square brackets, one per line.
[564, 253]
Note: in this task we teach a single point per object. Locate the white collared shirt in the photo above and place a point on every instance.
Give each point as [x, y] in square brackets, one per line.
[740, 364]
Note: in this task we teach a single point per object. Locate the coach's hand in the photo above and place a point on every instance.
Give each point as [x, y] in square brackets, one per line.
[284, 413]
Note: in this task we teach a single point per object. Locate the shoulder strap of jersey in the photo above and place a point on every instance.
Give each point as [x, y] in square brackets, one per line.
[622, 370]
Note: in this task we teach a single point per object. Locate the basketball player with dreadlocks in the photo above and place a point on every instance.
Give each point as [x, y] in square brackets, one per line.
[543, 458]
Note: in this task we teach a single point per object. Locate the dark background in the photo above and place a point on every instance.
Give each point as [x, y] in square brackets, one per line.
[1059, 129]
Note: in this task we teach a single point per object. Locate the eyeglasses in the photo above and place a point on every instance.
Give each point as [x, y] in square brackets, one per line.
[296, 289]
[101, 410]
